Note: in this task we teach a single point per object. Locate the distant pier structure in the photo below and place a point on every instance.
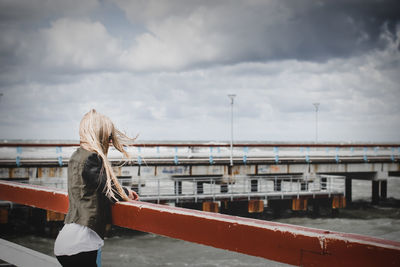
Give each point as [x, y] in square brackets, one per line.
[201, 176]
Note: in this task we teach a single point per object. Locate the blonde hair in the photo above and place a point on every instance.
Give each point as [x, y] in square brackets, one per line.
[95, 132]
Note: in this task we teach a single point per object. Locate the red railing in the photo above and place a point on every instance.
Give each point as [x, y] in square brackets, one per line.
[274, 241]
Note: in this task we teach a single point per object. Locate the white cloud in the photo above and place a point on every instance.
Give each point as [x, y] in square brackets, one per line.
[79, 44]
[174, 44]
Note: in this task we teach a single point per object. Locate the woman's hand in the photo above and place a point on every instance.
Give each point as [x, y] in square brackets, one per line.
[133, 195]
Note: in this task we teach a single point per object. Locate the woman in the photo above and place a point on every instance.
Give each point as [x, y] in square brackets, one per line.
[92, 188]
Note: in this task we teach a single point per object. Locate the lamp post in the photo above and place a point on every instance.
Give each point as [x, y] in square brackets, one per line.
[232, 97]
[316, 105]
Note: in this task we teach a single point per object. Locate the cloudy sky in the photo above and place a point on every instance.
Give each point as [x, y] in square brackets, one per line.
[163, 69]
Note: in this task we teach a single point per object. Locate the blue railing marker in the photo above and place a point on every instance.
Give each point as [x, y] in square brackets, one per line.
[276, 150]
[365, 154]
[245, 150]
[211, 156]
[18, 158]
[59, 151]
[176, 156]
[307, 154]
[337, 155]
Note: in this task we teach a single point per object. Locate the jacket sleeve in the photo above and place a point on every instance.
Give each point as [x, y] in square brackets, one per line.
[92, 173]
[94, 176]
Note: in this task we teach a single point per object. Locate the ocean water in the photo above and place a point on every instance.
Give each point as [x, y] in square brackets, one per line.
[129, 248]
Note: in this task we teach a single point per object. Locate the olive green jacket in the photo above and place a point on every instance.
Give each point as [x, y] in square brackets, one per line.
[88, 204]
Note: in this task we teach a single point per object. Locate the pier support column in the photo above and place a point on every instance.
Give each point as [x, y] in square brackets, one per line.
[338, 202]
[315, 208]
[348, 189]
[210, 206]
[38, 219]
[238, 208]
[375, 192]
[255, 206]
[383, 189]
[299, 204]
[191, 205]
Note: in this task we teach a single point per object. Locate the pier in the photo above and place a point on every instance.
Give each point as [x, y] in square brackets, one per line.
[212, 176]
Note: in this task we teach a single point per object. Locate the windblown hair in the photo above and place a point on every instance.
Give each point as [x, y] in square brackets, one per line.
[95, 132]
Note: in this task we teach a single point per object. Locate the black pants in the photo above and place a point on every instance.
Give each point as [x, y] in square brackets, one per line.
[87, 259]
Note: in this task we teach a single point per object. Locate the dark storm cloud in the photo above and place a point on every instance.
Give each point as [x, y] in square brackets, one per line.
[307, 30]
[342, 28]
[249, 31]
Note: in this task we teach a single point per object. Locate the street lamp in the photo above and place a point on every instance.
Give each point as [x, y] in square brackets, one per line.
[232, 97]
[316, 105]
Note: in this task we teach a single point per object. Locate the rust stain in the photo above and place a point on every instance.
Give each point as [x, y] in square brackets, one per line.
[52, 216]
[210, 206]
[226, 170]
[235, 170]
[275, 168]
[299, 204]
[338, 202]
[39, 172]
[255, 206]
